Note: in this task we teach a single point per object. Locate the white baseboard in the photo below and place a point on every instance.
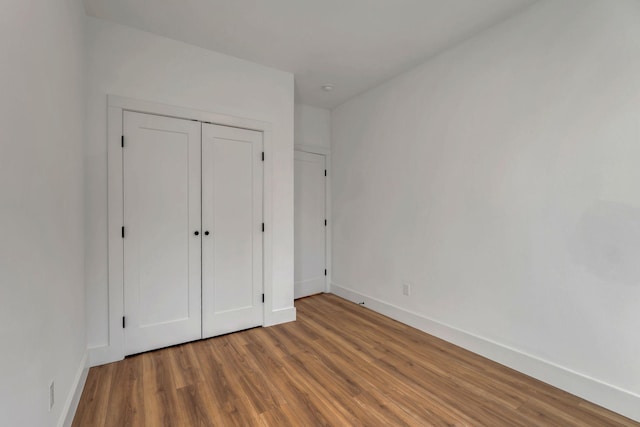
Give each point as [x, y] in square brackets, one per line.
[309, 287]
[104, 354]
[606, 395]
[71, 404]
[282, 315]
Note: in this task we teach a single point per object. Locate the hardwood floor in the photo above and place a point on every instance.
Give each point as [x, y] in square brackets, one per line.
[339, 365]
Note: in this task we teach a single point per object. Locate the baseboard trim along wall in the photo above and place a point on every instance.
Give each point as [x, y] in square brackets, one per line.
[282, 315]
[103, 355]
[611, 397]
[73, 399]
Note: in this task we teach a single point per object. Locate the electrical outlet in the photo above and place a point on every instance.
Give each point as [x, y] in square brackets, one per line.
[51, 395]
[406, 288]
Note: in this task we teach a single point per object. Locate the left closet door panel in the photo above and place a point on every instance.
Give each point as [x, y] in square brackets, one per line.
[162, 213]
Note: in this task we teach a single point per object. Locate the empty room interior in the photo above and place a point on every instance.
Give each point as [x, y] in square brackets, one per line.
[319, 212]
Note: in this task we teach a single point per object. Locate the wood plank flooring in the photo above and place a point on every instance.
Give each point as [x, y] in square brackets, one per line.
[338, 365]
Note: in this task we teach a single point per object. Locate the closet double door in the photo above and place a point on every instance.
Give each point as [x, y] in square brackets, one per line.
[192, 230]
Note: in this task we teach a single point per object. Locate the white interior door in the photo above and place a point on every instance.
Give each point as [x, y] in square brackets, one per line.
[162, 300]
[310, 228]
[232, 223]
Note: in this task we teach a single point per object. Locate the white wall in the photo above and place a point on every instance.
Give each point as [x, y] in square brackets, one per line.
[312, 126]
[501, 180]
[134, 64]
[42, 332]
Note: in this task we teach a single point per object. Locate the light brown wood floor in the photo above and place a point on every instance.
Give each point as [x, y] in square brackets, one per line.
[340, 365]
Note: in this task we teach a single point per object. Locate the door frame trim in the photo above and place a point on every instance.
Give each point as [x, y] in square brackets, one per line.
[326, 152]
[116, 105]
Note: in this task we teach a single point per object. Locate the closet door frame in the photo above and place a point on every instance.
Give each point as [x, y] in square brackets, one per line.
[116, 106]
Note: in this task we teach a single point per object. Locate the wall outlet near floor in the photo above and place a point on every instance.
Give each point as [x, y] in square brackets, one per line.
[406, 288]
[51, 395]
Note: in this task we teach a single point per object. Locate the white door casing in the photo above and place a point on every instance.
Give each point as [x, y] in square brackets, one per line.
[161, 208]
[232, 191]
[310, 226]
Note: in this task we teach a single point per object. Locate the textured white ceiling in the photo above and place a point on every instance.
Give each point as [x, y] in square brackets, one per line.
[353, 44]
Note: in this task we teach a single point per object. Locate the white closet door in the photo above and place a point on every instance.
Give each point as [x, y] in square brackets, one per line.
[310, 229]
[232, 217]
[162, 299]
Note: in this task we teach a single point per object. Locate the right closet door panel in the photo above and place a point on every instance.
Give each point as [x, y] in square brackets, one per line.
[232, 176]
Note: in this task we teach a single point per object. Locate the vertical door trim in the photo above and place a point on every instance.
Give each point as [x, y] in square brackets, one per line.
[113, 349]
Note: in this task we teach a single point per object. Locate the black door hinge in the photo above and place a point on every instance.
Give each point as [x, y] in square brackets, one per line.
[122, 141]
[325, 172]
[263, 156]
[123, 322]
[325, 271]
[123, 232]
[262, 297]
[325, 222]
[263, 227]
